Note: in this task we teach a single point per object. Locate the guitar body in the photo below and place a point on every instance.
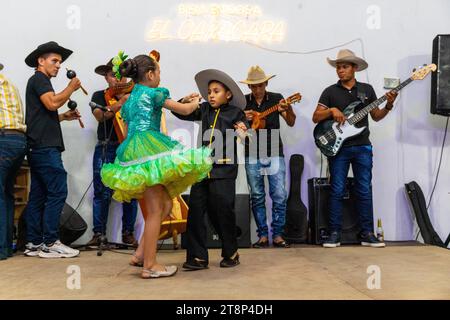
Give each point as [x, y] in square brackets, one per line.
[329, 135]
[258, 122]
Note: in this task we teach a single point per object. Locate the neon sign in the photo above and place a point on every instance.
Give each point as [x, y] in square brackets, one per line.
[218, 22]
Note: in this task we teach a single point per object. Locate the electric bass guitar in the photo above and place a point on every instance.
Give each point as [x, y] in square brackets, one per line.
[259, 118]
[330, 135]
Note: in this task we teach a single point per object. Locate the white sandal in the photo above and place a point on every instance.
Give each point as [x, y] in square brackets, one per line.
[168, 272]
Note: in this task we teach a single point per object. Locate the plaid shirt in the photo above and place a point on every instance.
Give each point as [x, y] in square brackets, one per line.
[11, 107]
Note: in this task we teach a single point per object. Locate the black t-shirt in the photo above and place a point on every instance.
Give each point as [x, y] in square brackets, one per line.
[272, 125]
[336, 96]
[43, 127]
[99, 98]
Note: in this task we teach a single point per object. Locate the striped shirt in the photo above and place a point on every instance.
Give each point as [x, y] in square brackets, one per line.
[11, 107]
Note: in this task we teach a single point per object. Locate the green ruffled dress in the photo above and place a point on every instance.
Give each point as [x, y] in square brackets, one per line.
[147, 157]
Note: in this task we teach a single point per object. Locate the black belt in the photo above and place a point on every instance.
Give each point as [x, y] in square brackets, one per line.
[11, 131]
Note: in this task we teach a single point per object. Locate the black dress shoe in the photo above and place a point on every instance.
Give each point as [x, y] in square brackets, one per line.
[229, 263]
[195, 264]
[261, 244]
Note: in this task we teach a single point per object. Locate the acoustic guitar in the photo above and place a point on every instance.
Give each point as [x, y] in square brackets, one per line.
[259, 118]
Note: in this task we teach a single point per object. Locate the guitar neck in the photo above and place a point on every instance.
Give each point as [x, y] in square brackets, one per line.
[365, 111]
[269, 111]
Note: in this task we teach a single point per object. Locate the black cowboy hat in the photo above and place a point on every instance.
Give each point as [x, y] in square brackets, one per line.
[104, 68]
[49, 47]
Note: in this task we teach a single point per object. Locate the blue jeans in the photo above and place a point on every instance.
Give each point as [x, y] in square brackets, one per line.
[360, 157]
[102, 194]
[12, 151]
[275, 169]
[47, 196]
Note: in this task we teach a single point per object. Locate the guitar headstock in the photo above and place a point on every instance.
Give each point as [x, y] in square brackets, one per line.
[423, 71]
[296, 97]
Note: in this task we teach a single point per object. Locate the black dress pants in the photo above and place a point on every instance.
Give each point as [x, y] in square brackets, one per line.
[216, 198]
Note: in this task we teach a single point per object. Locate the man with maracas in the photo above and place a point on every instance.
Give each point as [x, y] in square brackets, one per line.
[48, 177]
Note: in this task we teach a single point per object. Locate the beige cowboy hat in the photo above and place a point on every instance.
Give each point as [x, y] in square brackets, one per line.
[256, 75]
[203, 78]
[346, 55]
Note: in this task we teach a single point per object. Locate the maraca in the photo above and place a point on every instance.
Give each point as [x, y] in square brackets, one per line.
[72, 74]
[72, 106]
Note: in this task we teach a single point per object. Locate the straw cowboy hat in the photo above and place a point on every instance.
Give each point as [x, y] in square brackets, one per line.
[49, 47]
[204, 77]
[346, 55]
[104, 68]
[256, 75]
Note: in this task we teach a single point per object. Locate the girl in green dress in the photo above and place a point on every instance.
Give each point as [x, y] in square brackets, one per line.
[149, 164]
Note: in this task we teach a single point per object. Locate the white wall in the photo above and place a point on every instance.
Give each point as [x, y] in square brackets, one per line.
[406, 143]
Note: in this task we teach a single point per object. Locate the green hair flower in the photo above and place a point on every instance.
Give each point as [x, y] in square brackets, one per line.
[117, 61]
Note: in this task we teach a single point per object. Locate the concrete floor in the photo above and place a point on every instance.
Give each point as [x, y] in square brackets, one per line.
[303, 272]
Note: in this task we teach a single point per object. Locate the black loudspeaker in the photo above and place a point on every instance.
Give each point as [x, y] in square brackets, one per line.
[318, 193]
[296, 228]
[71, 227]
[242, 209]
[440, 80]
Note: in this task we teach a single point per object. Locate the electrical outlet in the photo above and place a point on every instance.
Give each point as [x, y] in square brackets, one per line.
[391, 83]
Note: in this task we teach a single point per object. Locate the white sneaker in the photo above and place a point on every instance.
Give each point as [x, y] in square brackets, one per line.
[32, 250]
[58, 250]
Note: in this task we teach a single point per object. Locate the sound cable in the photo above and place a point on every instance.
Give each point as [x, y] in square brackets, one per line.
[440, 163]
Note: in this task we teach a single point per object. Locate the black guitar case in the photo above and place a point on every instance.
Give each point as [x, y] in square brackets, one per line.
[296, 228]
[419, 207]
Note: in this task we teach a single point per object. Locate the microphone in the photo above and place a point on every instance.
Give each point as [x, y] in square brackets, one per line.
[94, 105]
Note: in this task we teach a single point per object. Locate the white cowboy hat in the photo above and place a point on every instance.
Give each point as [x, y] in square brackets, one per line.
[203, 78]
[346, 55]
[256, 75]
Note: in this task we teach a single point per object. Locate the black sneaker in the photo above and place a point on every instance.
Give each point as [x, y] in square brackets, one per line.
[229, 263]
[370, 240]
[195, 264]
[95, 241]
[333, 241]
